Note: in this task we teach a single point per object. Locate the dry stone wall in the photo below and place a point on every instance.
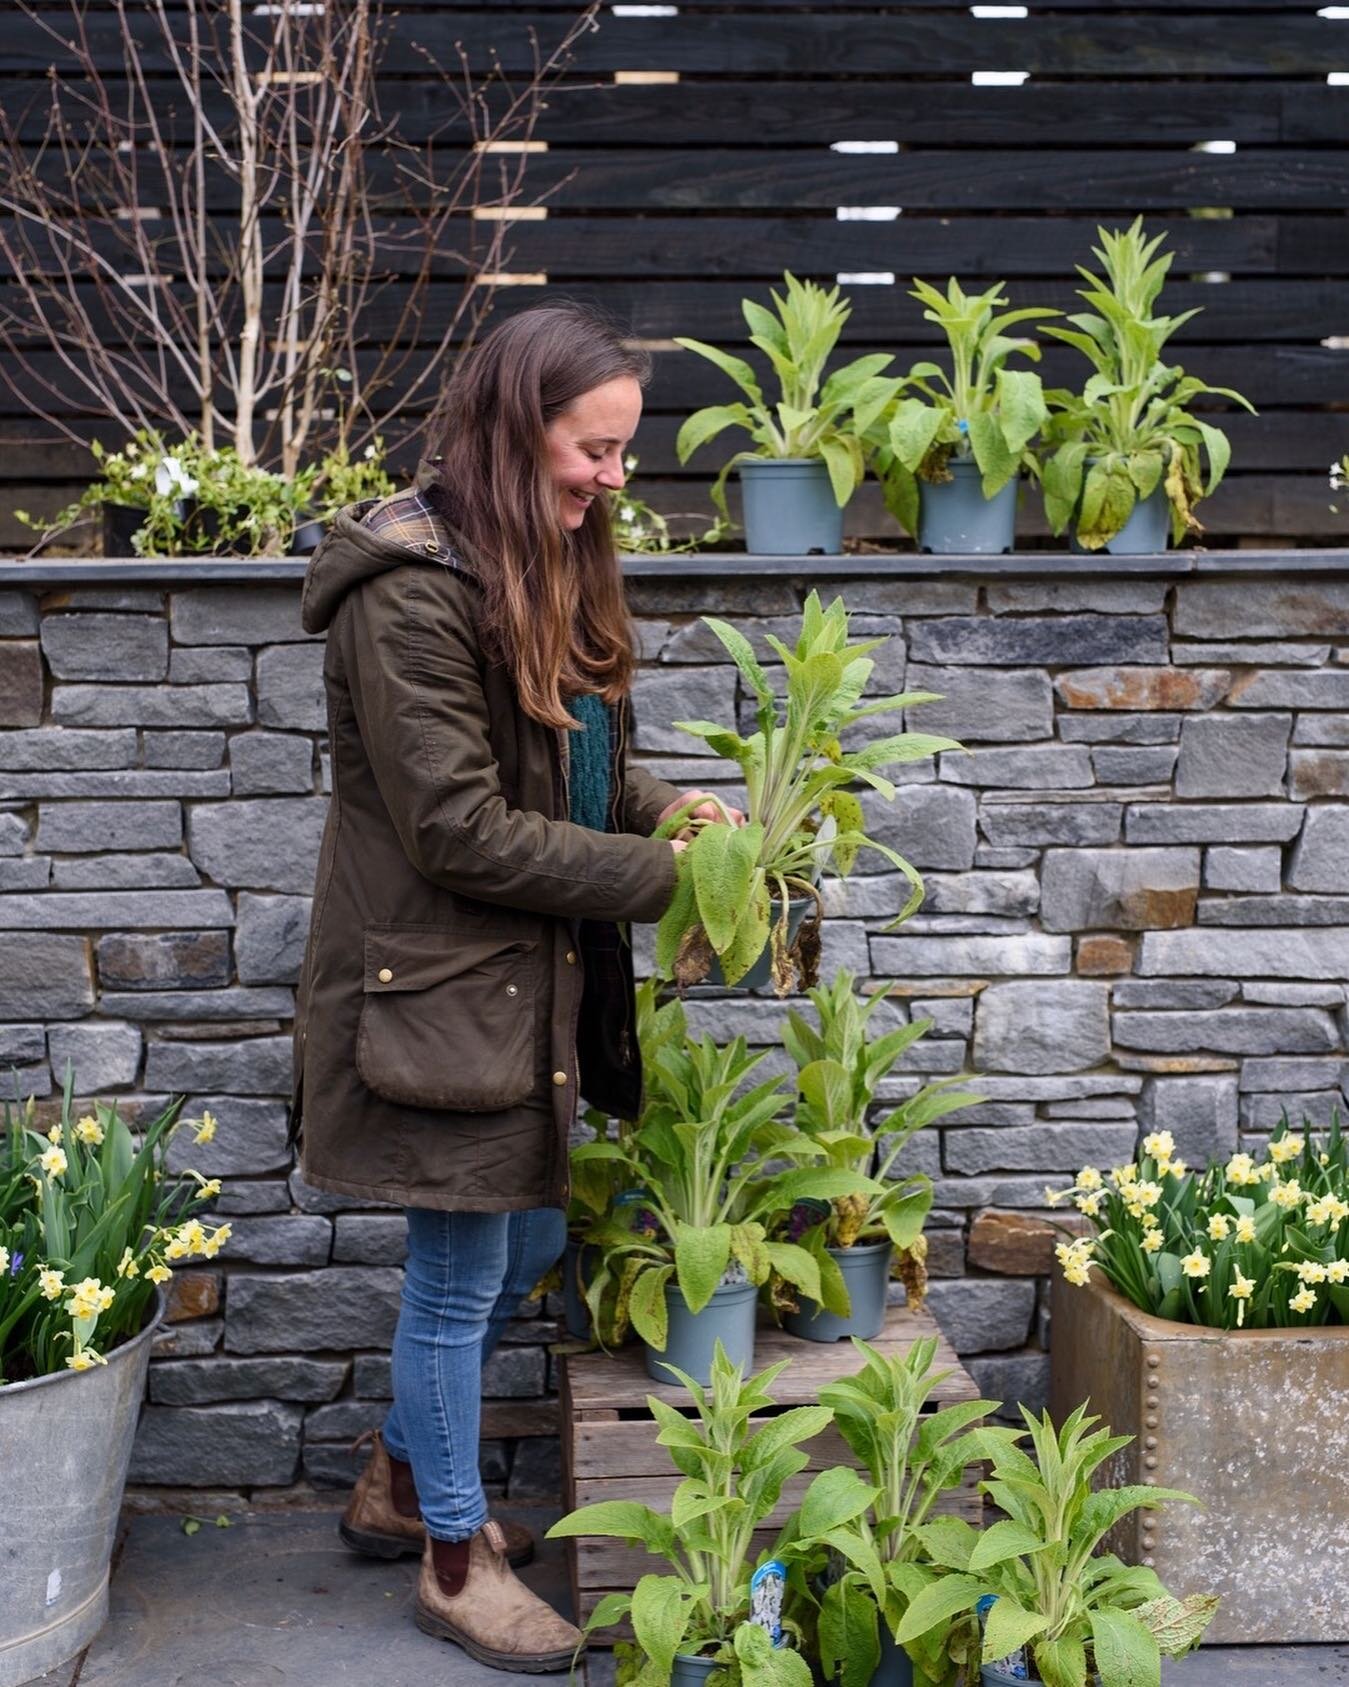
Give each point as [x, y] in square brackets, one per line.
[1136, 916]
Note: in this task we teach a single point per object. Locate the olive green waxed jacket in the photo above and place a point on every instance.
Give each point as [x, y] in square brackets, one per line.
[463, 933]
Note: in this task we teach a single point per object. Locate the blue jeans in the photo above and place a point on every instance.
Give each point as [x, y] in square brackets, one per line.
[466, 1275]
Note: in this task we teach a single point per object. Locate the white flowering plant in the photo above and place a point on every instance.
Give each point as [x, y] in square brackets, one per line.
[1256, 1242]
[91, 1223]
[641, 531]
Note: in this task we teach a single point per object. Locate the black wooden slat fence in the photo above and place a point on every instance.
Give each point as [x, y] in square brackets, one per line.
[670, 199]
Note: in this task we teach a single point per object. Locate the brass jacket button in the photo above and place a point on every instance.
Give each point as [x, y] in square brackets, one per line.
[559, 1077]
[385, 976]
[571, 957]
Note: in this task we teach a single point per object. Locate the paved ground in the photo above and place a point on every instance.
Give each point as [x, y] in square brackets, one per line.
[277, 1601]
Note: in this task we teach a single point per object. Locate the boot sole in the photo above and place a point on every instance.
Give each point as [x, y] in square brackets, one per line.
[541, 1663]
[372, 1545]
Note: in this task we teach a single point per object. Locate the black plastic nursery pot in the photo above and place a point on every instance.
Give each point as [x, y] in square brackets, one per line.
[121, 523]
[789, 507]
[308, 536]
[895, 1668]
[955, 519]
[692, 1337]
[866, 1271]
[761, 973]
[575, 1312]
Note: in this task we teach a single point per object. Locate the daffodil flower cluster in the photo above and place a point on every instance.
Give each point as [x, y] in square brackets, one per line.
[91, 1222]
[1260, 1240]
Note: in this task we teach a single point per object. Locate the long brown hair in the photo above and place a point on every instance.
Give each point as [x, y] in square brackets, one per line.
[554, 607]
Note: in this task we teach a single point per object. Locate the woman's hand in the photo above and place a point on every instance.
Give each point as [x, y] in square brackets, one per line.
[709, 810]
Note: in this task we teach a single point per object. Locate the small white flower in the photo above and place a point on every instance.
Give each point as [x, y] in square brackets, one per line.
[369, 452]
[171, 477]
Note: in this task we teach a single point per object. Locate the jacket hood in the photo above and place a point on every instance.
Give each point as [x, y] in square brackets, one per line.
[355, 549]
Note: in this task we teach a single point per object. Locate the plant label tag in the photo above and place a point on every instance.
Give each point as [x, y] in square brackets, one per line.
[53, 1587]
[1014, 1664]
[767, 1586]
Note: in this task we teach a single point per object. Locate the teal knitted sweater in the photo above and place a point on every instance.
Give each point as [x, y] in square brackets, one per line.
[590, 761]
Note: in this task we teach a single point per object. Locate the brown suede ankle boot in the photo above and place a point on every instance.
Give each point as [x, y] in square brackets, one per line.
[383, 1518]
[468, 1593]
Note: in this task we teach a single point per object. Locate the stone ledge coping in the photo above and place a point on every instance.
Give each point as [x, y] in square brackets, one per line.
[720, 565]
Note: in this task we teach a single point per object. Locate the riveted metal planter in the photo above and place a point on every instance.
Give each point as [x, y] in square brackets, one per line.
[65, 1444]
[1253, 1423]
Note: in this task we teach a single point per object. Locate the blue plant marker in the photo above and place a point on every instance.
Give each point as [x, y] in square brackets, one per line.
[767, 1586]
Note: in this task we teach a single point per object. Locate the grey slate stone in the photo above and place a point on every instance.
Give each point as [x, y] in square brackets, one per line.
[1294, 995]
[1265, 1110]
[191, 1382]
[1001, 705]
[1318, 773]
[184, 749]
[981, 1314]
[124, 872]
[1164, 823]
[13, 834]
[960, 957]
[22, 1045]
[1118, 889]
[1230, 1030]
[20, 684]
[1050, 823]
[47, 975]
[202, 1005]
[245, 1195]
[1109, 597]
[1274, 910]
[1233, 756]
[291, 1239]
[1261, 608]
[1252, 868]
[257, 1066]
[18, 613]
[1040, 767]
[370, 1238]
[514, 1373]
[249, 615]
[310, 1200]
[1200, 1113]
[290, 687]
[151, 705]
[1147, 729]
[270, 938]
[1280, 1072]
[130, 599]
[1044, 640]
[1330, 730]
[103, 1055]
[209, 664]
[536, 1471]
[1041, 1026]
[1253, 655]
[250, 1138]
[266, 763]
[661, 697]
[101, 910]
[51, 749]
[1102, 1107]
[372, 1376]
[1146, 764]
[269, 843]
[1263, 953]
[344, 1420]
[15, 787]
[89, 645]
[1174, 993]
[1321, 859]
[243, 1443]
[83, 827]
[1280, 688]
[951, 1016]
[1061, 1147]
[192, 1340]
[145, 961]
[25, 872]
[1004, 860]
[931, 826]
[338, 1308]
[1067, 1087]
[964, 1193]
[1015, 1379]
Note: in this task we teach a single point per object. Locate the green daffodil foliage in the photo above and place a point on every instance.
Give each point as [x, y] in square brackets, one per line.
[981, 411]
[735, 883]
[815, 416]
[855, 1541]
[1246, 1244]
[1130, 430]
[1081, 1615]
[734, 1467]
[839, 1067]
[716, 1165]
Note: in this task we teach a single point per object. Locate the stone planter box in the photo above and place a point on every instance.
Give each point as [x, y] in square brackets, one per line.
[1253, 1423]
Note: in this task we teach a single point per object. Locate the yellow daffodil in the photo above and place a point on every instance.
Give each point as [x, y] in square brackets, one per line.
[1338, 1271]
[51, 1284]
[1052, 1197]
[1150, 1221]
[1075, 1258]
[1147, 1194]
[1196, 1264]
[54, 1161]
[1268, 1173]
[1245, 1228]
[205, 1127]
[1241, 1171]
[217, 1239]
[1089, 1178]
[1218, 1228]
[1240, 1292]
[1088, 1204]
[1124, 1174]
[1287, 1195]
[1161, 1145]
[1286, 1148]
[89, 1130]
[209, 1189]
[4, 1261]
[1303, 1300]
[89, 1298]
[158, 1273]
[1312, 1271]
[1151, 1242]
[1177, 1168]
[85, 1360]
[127, 1266]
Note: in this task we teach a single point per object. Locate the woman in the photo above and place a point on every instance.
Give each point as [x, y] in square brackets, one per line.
[466, 977]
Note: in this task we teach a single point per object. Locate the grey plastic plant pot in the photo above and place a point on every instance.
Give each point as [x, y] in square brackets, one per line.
[955, 519]
[1146, 533]
[789, 507]
[688, 1671]
[575, 1312]
[895, 1668]
[866, 1271]
[65, 1445]
[692, 1337]
[761, 973]
[991, 1676]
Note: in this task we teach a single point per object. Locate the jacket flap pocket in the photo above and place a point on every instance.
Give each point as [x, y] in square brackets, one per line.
[404, 959]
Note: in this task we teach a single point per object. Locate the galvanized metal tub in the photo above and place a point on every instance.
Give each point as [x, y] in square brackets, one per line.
[65, 1444]
[1253, 1423]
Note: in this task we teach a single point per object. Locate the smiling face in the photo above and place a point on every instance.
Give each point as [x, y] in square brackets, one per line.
[586, 442]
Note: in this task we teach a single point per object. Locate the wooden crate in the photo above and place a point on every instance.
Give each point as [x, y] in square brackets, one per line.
[609, 1448]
